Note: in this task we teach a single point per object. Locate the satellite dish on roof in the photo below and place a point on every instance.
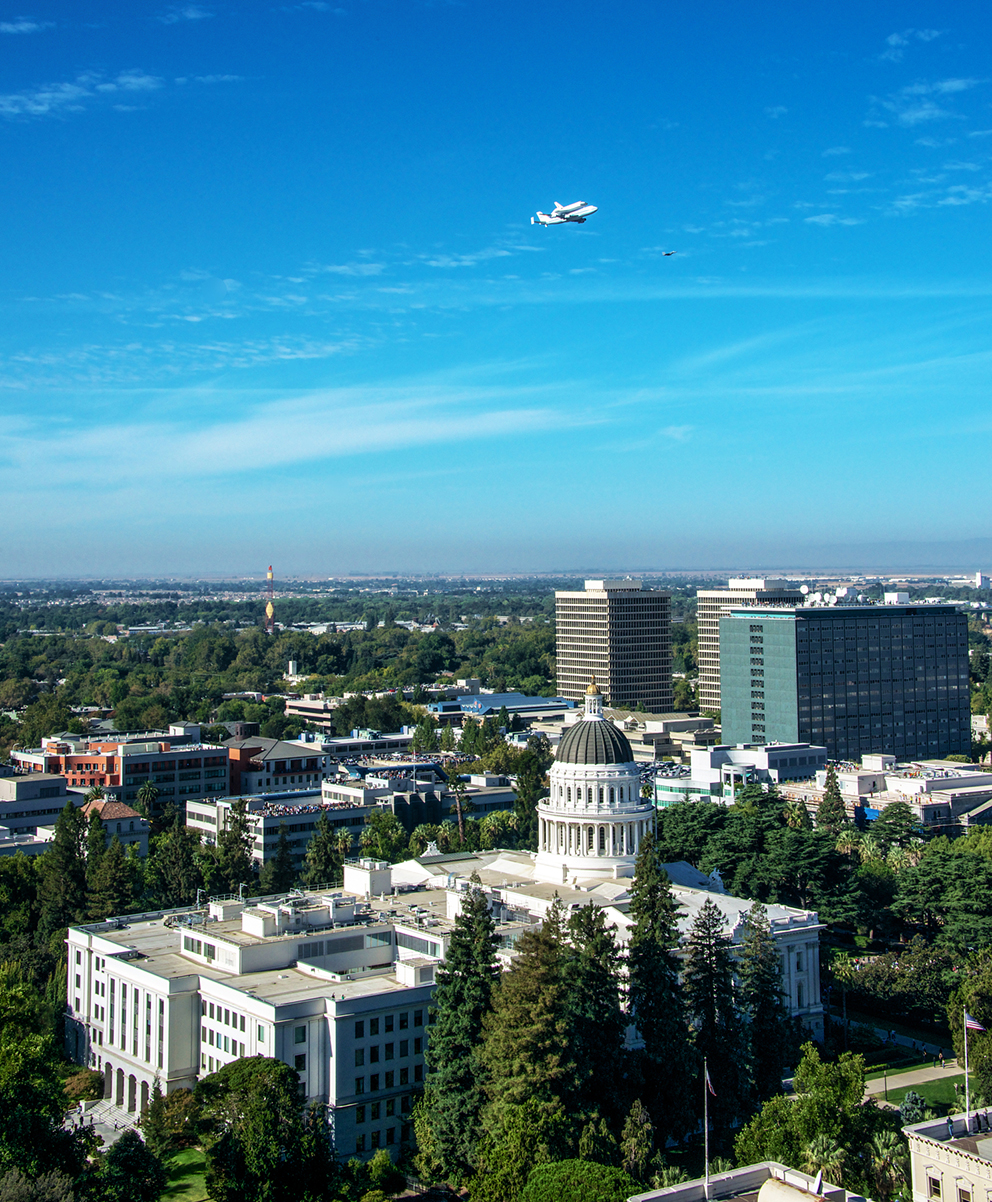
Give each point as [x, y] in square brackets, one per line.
[804, 589]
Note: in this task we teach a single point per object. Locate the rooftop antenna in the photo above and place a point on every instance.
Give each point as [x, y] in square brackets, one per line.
[270, 609]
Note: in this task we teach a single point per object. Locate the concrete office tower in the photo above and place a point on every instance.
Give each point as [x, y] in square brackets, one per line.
[621, 633]
[711, 604]
[856, 679]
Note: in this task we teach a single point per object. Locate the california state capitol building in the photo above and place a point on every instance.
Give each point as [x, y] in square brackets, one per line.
[337, 983]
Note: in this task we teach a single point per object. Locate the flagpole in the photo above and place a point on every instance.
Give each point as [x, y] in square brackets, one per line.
[706, 1127]
[967, 1091]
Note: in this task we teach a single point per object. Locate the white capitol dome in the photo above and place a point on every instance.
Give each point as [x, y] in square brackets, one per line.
[591, 825]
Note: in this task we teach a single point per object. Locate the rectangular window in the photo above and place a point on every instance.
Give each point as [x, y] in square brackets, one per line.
[210, 1061]
[375, 1139]
[359, 1057]
[404, 1048]
[373, 1026]
[261, 1033]
[210, 1036]
[390, 1135]
[360, 1143]
[933, 1187]
[404, 1021]
[374, 1054]
[964, 1195]
[374, 1082]
[390, 1108]
[418, 1046]
[418, 1018]
[390, 1080]
[375, 1110]
[227, 1018]
[418, 1072]
[404, 1076]
[359, 1114]
[301, 1063]
[241, 1049]
[360, 1029]
[359, 1085]
[242, 1027]
[299, 1035]
[389, 1051]
[211, 1009]
[388, 1022]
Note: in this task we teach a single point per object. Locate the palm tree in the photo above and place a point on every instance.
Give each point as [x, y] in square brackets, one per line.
[847, 841]
[96, 793]
[889, 1159]
[825, 1155]
[869, 849]
[796, 815]
[147, 796]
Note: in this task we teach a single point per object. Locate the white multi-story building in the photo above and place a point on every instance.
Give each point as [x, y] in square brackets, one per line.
[298, 811]
[335, 986]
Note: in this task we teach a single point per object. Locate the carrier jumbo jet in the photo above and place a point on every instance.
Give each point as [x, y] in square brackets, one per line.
[560, 214]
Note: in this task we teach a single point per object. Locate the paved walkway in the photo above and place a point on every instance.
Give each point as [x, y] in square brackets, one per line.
[917, 1076]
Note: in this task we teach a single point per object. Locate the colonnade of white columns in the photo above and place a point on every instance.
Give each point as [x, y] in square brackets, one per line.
[565, 838]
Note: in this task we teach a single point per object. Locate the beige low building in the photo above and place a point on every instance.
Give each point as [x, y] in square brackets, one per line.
[950, 1167]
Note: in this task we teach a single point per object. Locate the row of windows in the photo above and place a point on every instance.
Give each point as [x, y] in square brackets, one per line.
[229, 1018]
[388, 1023]
[375, 1110]
[389, 1079]
[388, 1050]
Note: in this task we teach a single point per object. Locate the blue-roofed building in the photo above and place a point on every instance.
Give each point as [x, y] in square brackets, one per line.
[486, 705]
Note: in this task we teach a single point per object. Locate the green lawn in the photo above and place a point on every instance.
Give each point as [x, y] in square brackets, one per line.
[939, 1094]
[185, 1172]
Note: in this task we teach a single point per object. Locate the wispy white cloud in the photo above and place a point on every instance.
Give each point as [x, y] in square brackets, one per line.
[184, 12]
[916, 104]
[73, 95]
[325, 425]
[776, 111]
[896, 43]
[847, 177]
[831, 219]
[836, 150]
[23, 25]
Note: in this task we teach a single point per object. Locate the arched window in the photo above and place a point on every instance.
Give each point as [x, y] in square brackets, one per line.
[602, 840]
[568, 795]
[600, 796]
[611, 797]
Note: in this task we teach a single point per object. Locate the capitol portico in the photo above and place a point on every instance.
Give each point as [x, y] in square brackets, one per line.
[591, 825]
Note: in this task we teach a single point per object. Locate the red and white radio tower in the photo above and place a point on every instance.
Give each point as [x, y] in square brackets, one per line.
[270, 609]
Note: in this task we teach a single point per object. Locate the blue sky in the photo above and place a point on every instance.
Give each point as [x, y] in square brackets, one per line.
[269, 291]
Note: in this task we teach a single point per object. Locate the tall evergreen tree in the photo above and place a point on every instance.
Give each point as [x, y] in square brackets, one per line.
[525, 1052]
[113, 891]
[530, 790]
[234, 848]
[173, 870]
[768, 1023]
[62, 892]
[708, 984]
[831, 814]
[448, 1116]
[656, 998]
[279, 873]
[96, 845]
[596, 1024]
[322, 862]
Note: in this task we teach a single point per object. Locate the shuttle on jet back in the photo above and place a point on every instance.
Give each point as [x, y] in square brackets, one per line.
[561, 214]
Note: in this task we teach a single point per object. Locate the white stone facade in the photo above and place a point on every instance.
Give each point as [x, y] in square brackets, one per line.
[590, 827]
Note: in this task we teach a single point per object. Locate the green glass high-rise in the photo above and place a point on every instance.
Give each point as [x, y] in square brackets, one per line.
[856, 679]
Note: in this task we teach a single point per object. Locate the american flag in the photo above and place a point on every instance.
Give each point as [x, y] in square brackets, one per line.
[972, 1024]
[709, 1083]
